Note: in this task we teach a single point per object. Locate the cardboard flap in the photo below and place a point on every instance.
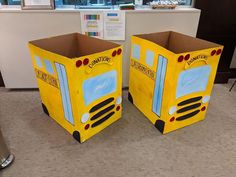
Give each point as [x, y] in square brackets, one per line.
[73, 45]
[177, 42]
[161, 38]
[180, 43]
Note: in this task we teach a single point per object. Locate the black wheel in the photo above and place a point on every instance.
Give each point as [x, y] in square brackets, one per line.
[160, 125]
[130, 98]
[76, 136]
[45, 110]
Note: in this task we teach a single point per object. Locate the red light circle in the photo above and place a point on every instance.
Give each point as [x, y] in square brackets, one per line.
[187, 57]
[86, 61]
[218, 52]
[117, 108]
[114, 53]
[87, 127]
[213, 52]
[181, 58]
[172, 119]
[203, 108]
[78, 63]
[119, 51]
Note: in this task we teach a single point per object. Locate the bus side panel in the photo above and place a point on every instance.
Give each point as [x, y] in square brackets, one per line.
[142, 85]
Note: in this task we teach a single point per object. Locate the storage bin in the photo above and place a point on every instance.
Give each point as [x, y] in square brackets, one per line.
[79, 80]
[171, 78]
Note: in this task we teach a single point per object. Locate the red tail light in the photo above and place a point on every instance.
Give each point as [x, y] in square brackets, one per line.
[203, 108]
[213, 52]
[119, 51]
[86, 61]
[187, 57]
[87, 127]
[117, 108]
[181, 58]
[114, 53]
[172, 119]
[218, 52]
[78, 63]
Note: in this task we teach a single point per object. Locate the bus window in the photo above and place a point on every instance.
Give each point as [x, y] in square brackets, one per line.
[38, 61]
[159, 85]
[48, 65]
[136, 51]
[193, 80]
[99, 86]
[149, 57]
[62, 76]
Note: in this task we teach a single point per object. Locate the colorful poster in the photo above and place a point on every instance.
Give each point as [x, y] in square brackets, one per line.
[92, 23]
[114, 25]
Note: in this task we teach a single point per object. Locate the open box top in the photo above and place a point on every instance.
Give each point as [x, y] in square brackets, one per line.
[73, 45]
[177, 42]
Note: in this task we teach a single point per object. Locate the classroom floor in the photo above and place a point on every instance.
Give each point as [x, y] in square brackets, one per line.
[131, 147]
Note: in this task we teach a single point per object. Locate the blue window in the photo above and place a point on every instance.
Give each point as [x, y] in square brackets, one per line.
[193, 80]
[48, 66]
[38, 61]
[149, 57]
[99, 86]
[136, 51]
[65, 94]
[159, 85]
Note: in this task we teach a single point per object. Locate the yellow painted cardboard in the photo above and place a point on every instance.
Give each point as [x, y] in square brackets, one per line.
[171, 78]
[65, 67]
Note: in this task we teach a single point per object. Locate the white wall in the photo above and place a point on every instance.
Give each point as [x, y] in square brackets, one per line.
[18, 27]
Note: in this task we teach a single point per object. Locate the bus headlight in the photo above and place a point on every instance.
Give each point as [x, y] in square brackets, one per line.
[205, 99]
[172, 110]
[85, 117]
[119, 100]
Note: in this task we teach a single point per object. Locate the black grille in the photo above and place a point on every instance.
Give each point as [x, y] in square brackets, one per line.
[100, 105]
[102, 119]
[102, 112]
[191, 100]
[187, 108]
[187, 115]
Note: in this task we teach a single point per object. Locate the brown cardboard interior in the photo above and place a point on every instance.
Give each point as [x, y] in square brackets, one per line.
[177, 42]
[74, 45]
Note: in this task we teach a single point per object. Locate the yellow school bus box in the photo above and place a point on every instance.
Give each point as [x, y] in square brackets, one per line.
[171, 78]
[79, 80]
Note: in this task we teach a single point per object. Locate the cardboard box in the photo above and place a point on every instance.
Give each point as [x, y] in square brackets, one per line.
[171, 78]
[79, 80]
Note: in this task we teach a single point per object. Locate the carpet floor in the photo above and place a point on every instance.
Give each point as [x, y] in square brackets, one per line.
[131, 147]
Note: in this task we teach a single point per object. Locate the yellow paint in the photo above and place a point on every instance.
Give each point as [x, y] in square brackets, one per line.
[141, 85]
[51, 95]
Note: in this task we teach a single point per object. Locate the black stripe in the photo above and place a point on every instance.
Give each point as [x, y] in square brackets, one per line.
[187, 108]
[103, 119]
[191, 100]
[99, 105]
[100, 113]
[188, 115]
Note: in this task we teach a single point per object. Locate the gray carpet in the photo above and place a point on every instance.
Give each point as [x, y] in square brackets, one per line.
[131, 147]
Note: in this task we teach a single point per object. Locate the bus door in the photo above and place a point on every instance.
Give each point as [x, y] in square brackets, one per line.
[65, 93]
[159, 85]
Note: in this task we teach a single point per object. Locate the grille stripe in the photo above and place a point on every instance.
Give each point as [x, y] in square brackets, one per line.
[187, 108]
[191, 100]
[100, 105]
[188, 115]
[102, 120]
[102, 112]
